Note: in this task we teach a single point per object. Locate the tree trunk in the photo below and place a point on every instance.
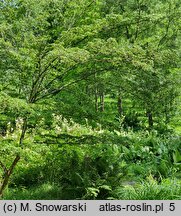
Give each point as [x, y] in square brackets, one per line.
[167, 115]
[7, 174]
[150, 119]
[119, 104]
[96, 100]
[102, 102]
[88, 90]
[23, 131]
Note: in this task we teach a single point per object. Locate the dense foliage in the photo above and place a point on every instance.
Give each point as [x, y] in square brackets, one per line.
[90, 99]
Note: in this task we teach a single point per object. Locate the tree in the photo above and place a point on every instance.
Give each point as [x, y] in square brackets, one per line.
[151, 31]
[47, 46]
[42, 52]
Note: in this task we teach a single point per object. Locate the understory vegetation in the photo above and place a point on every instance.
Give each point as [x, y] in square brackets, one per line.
[73, 161]
[90, 99]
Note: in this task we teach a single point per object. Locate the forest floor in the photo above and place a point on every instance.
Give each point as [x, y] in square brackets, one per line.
[85, 163]
[75, 161]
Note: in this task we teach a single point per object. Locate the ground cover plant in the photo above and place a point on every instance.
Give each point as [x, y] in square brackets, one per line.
[90, 99]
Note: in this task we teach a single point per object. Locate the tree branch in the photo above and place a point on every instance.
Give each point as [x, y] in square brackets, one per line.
[60, 77]
[56, 91]
[3, 167]
[8, 174]
[167, 27]
[59, 89]
[23, 131]
[17, 158]
[36, 84]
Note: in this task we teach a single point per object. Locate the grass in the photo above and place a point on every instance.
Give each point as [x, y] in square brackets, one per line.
[45, 191]
[168, 189]
[150, 189]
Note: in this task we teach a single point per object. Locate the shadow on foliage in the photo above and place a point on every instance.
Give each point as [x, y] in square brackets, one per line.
[84, 139]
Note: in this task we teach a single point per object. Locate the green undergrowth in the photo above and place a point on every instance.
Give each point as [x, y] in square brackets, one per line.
[167, 189]
[150, 189]
[44, 191]
[71, 161]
